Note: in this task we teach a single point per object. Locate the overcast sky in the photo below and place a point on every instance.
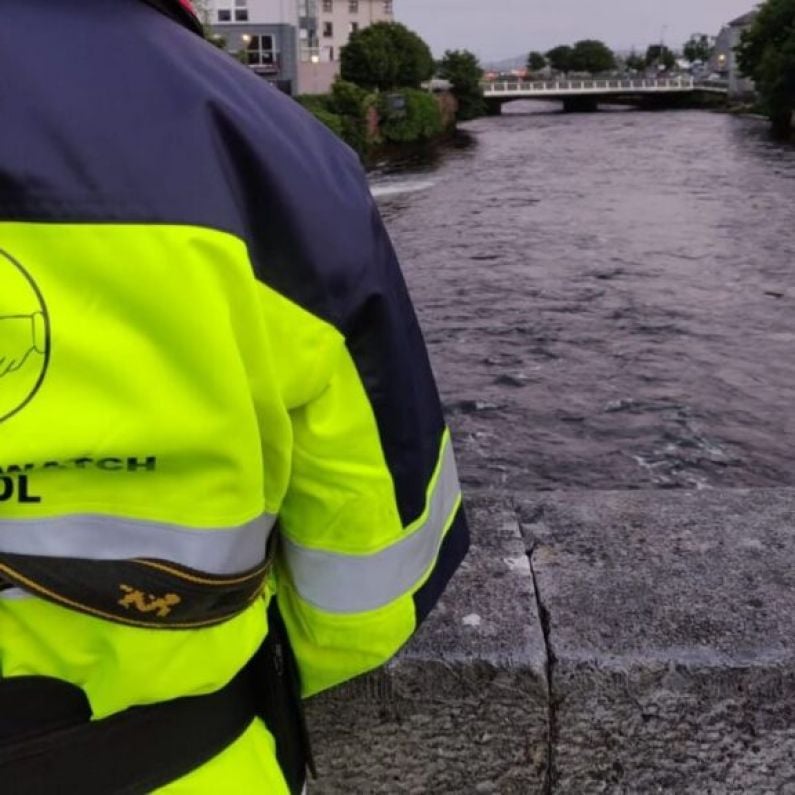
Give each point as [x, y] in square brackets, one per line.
[496, 29]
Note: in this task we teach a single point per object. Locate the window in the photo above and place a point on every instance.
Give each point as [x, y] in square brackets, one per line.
[388, 7]
[328, 6]
[328, 30]
[224, 15]
[260, 51]
[353, 6]
[353, 27]
[241, 3]
[241, 15]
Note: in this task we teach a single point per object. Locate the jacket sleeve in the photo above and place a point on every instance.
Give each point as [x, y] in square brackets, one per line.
[372, 525]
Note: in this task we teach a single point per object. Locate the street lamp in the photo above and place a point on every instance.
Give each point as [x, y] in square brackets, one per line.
[243, 54]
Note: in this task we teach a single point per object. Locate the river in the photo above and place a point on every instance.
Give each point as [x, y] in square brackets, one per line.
[608, 299]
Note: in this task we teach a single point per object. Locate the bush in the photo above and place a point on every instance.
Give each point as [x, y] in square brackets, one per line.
[352, 103]
[421, 121]
[333, 121]
[349, 99]
[343, 111]
[316, 102]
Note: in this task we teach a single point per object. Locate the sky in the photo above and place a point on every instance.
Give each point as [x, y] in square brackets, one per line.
[497, 29]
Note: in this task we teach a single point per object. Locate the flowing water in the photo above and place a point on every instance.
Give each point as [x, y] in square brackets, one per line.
[608, 299]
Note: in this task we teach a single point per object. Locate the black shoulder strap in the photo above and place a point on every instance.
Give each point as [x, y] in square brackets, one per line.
[179, 13]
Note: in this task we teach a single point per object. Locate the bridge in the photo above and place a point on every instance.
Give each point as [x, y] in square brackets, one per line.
[586, 94]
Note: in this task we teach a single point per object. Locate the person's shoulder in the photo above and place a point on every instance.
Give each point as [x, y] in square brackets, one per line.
[308, 216]
[259, 120]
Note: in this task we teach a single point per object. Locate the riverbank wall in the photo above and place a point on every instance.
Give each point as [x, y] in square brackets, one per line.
[593, 642]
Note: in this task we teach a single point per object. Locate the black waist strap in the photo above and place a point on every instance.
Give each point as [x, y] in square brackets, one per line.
[144, 748]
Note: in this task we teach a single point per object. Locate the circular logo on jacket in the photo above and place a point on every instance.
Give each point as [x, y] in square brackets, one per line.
[24, 337]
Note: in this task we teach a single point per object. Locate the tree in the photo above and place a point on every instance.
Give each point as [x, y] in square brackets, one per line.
[384, 56]
[202, 9]
[592, 56]
[559, 58]
[767, 55]
[698, 47]
[536, 62]
[635, 62]
[463, 70]
[660, 56]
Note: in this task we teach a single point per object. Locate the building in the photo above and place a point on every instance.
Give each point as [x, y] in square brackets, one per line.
[724, 58]
[263, 33]
[293, 43]
[324, 29]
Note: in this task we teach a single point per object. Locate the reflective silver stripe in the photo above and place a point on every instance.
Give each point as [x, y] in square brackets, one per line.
[339, 583]
[100, 537]
[14, 594]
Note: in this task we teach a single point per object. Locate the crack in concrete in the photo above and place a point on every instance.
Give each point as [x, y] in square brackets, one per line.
[544, 619]
[552, 718]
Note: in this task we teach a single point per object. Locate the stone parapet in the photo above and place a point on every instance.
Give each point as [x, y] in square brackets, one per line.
[595, 642]
[464, 707]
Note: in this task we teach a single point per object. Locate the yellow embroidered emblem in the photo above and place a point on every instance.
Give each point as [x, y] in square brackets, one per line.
[148, 603]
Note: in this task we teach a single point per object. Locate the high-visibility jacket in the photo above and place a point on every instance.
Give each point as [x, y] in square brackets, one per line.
[205, 340]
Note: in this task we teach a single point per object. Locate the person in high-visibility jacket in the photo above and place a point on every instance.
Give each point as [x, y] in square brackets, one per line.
[214, 400]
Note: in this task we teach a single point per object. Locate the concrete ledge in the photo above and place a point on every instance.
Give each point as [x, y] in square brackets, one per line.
[671, 627]
[464, 707]
[645, 646]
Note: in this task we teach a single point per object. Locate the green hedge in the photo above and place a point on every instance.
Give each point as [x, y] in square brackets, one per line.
[333, 121]
[352, 103]
[421, 121]
[344, 111]
[316, 102]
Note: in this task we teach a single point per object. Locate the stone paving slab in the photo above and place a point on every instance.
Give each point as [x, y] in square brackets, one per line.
[464, 707]
[671, 626]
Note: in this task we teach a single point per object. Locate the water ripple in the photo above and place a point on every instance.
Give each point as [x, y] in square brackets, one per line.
[609, 299]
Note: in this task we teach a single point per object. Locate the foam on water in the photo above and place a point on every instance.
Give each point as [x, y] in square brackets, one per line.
[397, 188]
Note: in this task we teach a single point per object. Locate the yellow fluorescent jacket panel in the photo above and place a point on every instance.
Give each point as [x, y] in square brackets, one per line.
[207, 351]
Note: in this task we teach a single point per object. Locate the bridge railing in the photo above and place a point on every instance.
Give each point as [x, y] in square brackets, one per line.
[584, 86]
[713, 85]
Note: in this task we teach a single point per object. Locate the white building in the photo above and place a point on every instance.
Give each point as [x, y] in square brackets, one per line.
[295, 43]
[324, 29]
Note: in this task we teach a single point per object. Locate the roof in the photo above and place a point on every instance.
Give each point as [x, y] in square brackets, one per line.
[744, 21]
